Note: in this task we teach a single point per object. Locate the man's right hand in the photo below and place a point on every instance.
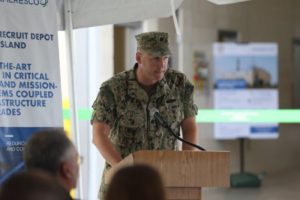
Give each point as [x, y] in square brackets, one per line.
[103, 144]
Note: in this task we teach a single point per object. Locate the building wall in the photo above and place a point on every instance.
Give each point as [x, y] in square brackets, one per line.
[256, 21]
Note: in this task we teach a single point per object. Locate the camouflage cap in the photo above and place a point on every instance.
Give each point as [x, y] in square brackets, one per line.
[154, 43]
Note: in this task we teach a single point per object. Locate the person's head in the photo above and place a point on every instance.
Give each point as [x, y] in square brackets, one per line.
[33, 185]
[52, 151]
[138, 182]
[152, 56]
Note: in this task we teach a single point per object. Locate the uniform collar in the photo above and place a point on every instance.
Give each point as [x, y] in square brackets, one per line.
[136, 91]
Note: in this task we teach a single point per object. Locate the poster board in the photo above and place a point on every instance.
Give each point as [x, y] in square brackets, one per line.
[245, 77]
[30, 90]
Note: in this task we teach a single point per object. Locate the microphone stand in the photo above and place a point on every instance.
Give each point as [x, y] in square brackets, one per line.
[164, 124]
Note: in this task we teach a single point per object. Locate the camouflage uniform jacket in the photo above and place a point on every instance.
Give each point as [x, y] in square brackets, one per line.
[124, 106]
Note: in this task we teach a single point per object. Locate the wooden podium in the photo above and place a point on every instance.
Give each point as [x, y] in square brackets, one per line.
[184, 173]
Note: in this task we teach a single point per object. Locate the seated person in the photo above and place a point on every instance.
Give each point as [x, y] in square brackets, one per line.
[33, 185]
[52, 151]
[139, 182]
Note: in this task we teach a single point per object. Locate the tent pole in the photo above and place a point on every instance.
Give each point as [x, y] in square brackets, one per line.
[71, 86]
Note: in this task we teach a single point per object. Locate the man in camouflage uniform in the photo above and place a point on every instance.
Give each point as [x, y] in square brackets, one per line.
[121, 119]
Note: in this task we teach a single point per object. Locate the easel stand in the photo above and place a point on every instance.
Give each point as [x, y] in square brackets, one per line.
[244, 179]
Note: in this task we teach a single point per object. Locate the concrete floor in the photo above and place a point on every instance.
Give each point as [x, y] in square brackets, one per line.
[279, 186]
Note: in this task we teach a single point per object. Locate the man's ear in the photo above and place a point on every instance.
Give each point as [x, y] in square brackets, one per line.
[138, 57]
[65, 170]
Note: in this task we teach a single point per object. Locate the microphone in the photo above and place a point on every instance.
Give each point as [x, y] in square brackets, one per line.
[154, 112]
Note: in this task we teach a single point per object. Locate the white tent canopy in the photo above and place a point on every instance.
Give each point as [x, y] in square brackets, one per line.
[88, 13]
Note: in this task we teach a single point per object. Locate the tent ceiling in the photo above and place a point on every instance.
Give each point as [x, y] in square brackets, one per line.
[87, 13]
